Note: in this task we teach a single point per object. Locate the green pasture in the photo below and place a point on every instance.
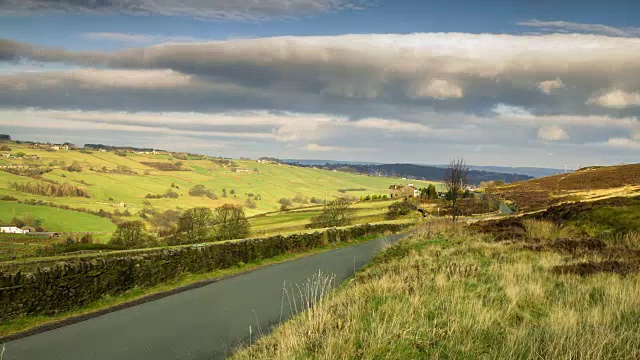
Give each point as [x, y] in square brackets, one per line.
[55, 219]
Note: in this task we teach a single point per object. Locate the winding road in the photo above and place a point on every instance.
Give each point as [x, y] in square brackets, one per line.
[204, 323]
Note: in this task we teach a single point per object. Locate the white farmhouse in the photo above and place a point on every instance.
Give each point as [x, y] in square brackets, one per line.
[12, 230]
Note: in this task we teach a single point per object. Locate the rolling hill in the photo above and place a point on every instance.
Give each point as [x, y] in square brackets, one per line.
[128, 180]
[590, 183]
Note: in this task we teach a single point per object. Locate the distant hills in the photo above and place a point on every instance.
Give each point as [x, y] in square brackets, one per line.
[527, 171]
[411, 171]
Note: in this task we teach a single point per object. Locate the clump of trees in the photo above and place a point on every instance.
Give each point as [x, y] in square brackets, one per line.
[400, 208]
[428, 193]
[335, 213]
[49, 189]
[315, 200]
[200, 190]
[131, 235]
[164, 223]
[300, 199]
[164, 166]
[230, 222]
[169, 194]
[200, 224]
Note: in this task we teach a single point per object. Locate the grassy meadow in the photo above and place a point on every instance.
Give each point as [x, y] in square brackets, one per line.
[455, 293]
[54, 219]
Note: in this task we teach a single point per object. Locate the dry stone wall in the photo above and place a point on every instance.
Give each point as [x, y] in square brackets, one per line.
[67, 285]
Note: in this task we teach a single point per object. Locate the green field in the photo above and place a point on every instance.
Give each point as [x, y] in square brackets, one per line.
[54, 219]
[266, 182]
[364, 212]
[271, 181]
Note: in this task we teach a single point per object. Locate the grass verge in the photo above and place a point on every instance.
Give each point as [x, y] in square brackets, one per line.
[450, 293]
[32, 324]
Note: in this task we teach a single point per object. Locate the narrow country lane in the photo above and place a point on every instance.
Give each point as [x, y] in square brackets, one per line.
[204, 323]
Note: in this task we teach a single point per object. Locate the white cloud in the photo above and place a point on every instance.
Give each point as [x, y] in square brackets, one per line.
[438, 89]
[552, 133]
[322, 148]
[624, 143]
[616, 99]
[207, 9]
[548, 86]
[567, 26]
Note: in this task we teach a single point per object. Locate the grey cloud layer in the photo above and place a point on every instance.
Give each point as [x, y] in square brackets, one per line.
[207, 9]
[485, 90]
[554, 73]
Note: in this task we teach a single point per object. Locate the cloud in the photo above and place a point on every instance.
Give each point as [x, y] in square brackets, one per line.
[446, 71]
[205, 9]
[138, 39]
[616, 99]
[624, 143]
[322, 148]
[548, 86]
[567, 26]
[409, 93]
[552, 133]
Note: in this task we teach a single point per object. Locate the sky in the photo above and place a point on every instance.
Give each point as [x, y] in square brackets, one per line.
[513, 83]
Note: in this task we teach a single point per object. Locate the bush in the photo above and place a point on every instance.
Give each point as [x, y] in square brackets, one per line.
[300, 199]
[75, 167]
[399, 208]
[285, 202]
[5, 148]
[200, 190]
[250, 204]
[315, 200]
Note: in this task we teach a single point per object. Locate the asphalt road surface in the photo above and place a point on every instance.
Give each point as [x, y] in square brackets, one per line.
[203, 323]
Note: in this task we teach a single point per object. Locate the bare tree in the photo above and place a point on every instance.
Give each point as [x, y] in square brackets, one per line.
[335, 213]
[455, 181]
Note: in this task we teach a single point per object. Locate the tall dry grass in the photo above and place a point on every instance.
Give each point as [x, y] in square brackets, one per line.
[464, 298]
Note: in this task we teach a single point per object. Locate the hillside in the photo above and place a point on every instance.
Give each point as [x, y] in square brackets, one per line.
[131, 181]
[590, 183]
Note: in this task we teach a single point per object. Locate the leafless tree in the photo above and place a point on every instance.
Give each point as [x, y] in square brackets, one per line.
[455, 181]
[335, 213]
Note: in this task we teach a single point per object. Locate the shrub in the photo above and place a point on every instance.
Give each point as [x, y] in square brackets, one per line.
[199, 190]
[315, 200]
[399, 208]
[250, 204]
[5, 148]
[300, 199]
[285, 202]
[75, 167]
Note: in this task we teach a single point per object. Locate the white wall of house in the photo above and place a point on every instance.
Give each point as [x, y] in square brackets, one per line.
[12, 230]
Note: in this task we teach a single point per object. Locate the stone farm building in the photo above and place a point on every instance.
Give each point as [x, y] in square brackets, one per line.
[403, 191]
